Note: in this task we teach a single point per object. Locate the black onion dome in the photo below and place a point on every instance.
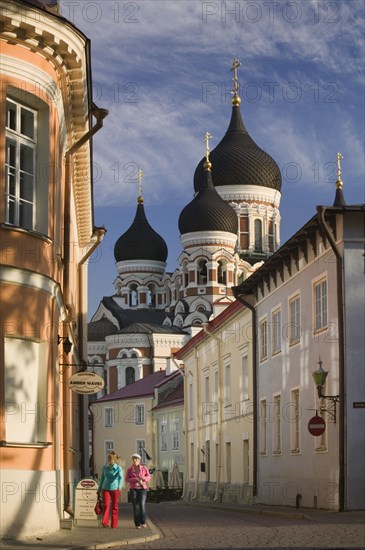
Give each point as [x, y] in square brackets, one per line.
[208, 211]
[140, 241]
[238, 160]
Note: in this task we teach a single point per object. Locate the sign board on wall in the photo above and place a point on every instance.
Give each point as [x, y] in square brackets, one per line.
[85, 500]
[316, 425]
[85, 382]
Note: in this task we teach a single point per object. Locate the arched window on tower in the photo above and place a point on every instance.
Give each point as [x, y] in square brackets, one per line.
[270, 234]
[221, 273]
[130, 375]
[177, 289]
[185, 275]
[151, 295]
[258, 236]
[202, 272]
[133, 295]
[244, 232]
[276, 238]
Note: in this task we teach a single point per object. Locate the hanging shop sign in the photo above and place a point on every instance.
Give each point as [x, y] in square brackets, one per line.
[85, 382]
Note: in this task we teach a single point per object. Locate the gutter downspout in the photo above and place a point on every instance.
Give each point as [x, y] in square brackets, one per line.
[220, 410]
[97, 237]
[196, 492]
[185, 422]
[252, 308]
[341, 355]
[99, 114]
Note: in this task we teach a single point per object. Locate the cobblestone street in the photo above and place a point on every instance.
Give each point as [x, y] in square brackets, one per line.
[185, 526]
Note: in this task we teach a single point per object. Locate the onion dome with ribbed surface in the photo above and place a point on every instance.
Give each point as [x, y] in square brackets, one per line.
[208, 211]
[140, 241]
[237, 160]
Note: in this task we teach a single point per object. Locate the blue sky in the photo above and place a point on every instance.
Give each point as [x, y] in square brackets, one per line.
[162, 68]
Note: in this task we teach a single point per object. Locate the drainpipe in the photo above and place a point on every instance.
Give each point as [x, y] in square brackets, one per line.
[196, 492]
[220, 410]
[99, 114]
[341, 354]
[240, 298]
[97, 237]
[185, 422]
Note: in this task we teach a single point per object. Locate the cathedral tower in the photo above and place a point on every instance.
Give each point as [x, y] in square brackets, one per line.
[250, 181]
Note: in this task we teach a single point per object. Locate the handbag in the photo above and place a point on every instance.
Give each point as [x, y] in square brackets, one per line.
[98, 508]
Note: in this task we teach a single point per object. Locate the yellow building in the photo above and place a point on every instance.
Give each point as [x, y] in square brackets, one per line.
[122, 421]
[219, 404]
[46, 236]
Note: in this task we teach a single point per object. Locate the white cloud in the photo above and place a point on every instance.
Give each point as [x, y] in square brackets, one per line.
[164, 54]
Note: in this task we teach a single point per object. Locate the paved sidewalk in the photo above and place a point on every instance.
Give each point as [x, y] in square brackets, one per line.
[89, 538]
[287, 512]
[94, 538]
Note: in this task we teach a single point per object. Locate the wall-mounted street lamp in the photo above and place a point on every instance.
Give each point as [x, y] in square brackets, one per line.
[319, 377]
[67, 344]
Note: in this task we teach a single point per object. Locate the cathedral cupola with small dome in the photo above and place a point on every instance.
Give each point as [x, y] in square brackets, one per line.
[209, 263]
[140, 255]
[248, 179]
[227, 231]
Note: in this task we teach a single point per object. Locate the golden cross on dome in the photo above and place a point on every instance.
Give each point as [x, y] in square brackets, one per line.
[339, 182]
[236, 63]
[139, 176]
[207, 137]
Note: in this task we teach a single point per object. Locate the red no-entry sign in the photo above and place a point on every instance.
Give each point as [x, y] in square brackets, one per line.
[316, 425]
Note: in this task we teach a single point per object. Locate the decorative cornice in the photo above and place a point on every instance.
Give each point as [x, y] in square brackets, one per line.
[36, 281]
[65, 49]
[209, 238]
[142, 266]
[250, 193]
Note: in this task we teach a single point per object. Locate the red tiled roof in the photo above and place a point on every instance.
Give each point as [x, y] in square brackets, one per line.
[142, 388]
[174, 397]
[212, 326]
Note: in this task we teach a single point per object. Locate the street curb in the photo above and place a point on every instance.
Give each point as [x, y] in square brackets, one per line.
[273, 513]
[155, 535]
[26, 543]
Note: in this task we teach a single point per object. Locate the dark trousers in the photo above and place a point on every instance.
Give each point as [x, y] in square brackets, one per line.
[138, 498]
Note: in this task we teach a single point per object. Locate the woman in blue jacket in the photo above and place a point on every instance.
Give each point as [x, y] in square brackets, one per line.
[110, 486]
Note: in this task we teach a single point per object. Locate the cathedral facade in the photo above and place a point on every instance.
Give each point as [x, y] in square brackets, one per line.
[227, 231]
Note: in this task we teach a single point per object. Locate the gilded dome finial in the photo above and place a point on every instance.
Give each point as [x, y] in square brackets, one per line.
[236, 100]
[140, 176]
[207, 163]
[339, 182]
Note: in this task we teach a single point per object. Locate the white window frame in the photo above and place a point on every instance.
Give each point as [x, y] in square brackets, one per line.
[295, 421]
[276, 331]
[139, 414]
[25, 390]
[227, 382]
[109, 446]
[277, 426]
[320, 304]
[163, 435]
[108, 417]
[244, 378]
[191, 401]
[263, 427]
[294, 320]
[263, 327]
[176, 435]
[19, 140]
[140, 449]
